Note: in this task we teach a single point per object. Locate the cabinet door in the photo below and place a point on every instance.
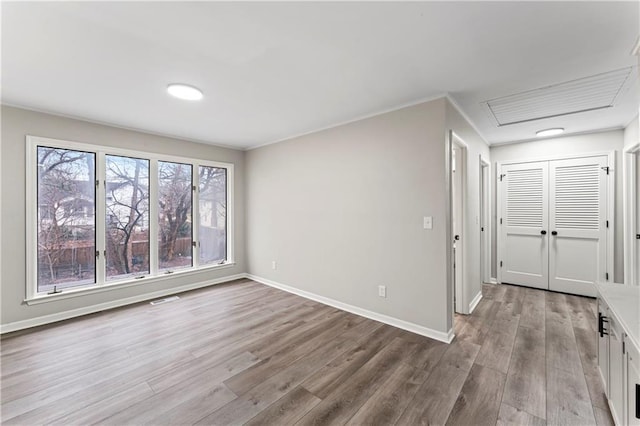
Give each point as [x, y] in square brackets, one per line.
[633, 386]
[603, 344]
[616, 371]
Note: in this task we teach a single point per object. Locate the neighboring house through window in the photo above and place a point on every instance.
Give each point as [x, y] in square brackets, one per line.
[104, 216]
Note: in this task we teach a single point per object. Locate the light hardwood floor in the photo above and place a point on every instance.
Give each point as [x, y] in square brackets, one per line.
[246, 353]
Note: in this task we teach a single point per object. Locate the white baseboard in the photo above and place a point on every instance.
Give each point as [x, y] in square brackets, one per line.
[395, 322]
[475, 302]
[85, 310]
[493, 281]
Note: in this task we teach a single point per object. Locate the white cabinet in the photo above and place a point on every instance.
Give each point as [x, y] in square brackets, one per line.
[619, 358]
[603, 343]
[633, 386]
[616, 389]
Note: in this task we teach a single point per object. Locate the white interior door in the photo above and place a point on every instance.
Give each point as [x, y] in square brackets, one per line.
[637, 227]
[457, 173]
[524, 252]
[577, 217]
[485, 239]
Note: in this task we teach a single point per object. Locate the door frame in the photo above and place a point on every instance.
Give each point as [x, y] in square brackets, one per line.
[461, 304]
[485, 220]
[611, 163]
[631, 270]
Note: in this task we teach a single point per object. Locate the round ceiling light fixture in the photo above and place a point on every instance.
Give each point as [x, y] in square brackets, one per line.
[184, 91]
[549, 132]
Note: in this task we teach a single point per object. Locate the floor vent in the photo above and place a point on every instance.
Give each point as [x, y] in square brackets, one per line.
[165, 300]
[571, 97]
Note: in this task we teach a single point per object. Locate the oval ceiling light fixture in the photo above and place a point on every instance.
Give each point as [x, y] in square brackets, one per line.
[549, 132]
[184, 91]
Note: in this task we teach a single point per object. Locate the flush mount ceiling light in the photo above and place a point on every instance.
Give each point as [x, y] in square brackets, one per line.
[184, 91]
[549, 132]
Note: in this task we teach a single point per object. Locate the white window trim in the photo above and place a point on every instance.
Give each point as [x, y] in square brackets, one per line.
[101, 285]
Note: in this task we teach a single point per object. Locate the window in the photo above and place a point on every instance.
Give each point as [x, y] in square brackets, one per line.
[175, 187]
[127, 224]
[212, 229]
[103, 216]
[66, 237]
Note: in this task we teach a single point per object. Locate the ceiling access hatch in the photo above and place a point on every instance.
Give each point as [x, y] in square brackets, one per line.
[571, 97]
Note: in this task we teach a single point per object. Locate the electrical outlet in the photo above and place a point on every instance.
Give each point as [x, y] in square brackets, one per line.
[427, 222]
[274, 265]
[382, 291]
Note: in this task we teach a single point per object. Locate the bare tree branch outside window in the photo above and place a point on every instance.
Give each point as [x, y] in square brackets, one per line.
[127, 216]
[213, 215]
[66, 218]
[174, 214]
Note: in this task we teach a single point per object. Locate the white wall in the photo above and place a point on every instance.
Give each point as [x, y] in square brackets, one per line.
[16, 124]
[476, 147]
[631, 133]
[569, 145]
[341, 212]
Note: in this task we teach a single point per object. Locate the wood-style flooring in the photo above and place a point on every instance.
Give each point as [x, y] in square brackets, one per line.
[244, 353]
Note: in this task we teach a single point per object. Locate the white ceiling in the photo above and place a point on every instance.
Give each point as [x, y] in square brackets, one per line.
[270, 71]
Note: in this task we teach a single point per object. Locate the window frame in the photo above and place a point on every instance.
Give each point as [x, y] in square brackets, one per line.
[155, 274]
[194, 235]
[104, 200]
[227, 210]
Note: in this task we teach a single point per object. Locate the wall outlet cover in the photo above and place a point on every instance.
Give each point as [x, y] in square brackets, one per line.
[382, 291]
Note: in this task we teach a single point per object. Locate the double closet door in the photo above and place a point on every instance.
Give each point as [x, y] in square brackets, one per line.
[553, 220]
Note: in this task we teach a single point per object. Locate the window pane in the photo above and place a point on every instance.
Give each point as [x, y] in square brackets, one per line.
[213, 215]
[127, 218]
[174, 215]
[66, 218]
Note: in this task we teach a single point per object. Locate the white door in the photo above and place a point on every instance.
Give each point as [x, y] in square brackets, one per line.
[637, 227]
[485, 236]
[553, 224]
[577, 221]
[524, 226]
[457, 173]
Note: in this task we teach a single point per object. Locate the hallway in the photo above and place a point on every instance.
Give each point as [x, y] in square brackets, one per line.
[541, 347]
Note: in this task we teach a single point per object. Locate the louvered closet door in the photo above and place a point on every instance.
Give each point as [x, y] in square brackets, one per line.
[577, 216]
[524, 214]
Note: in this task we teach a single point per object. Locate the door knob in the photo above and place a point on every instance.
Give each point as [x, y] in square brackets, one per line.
[543, 232]
[554, 232]
[457, 237]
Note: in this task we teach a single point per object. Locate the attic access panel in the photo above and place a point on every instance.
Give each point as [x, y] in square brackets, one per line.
[571, 97]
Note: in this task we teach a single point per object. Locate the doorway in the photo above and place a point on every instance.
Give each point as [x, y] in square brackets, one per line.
[636, 237]
[632, 215]
[554, 222]
[485, 215]
[458, 169]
